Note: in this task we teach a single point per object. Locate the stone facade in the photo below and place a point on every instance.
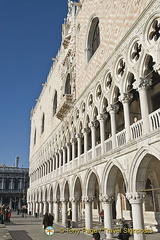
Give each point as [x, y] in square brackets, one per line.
[95, 130]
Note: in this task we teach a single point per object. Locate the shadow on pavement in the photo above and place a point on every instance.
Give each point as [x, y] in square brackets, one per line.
[19, 235]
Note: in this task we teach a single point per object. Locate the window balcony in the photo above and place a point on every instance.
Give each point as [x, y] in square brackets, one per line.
[65, 105]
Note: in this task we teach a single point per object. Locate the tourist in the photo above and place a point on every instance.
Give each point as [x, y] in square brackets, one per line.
[45, 220]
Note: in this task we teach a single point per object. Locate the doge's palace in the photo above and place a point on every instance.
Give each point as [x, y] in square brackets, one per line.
[95, 129]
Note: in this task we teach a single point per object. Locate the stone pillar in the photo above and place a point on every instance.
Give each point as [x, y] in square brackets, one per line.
[88, 212]
[73, 141]
[50, 210]
[136, 199]
[11, 183]
[10, 203]
[75, 211]
[85, 133]
[68, 152]
[3, 183]
[141, 85]
[108, 219]
[56, 211]
[60, 158]
[112, 110]
[37, 205]
[79, 137]
[29, 207]
[93, 134]
[57, 160]
[33, 208]
[20, 184]
[64, 155]
[102, 118]
[40, 209]
[64, 211]
[125, 98]
[45, 208]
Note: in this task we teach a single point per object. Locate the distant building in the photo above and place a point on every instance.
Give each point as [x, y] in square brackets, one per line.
[14, 182]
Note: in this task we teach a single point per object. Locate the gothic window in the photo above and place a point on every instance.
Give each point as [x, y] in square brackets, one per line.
[42, 127]
[55, 103]
[93, 38]
[68, 85]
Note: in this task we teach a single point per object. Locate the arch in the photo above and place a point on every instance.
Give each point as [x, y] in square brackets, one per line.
[138, 164]
[93, 39]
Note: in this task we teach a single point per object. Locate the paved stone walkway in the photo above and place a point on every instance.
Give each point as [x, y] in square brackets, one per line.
[30, 228]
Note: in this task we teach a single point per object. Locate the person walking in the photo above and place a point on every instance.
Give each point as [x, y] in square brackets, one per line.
[50, 219]
[69, 218]
[45, 220]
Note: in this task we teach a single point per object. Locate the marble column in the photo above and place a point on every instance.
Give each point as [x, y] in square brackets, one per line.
[64, 211]
[85, 134]
[68, 152]
[10, 203]
[33, 208]
[56, 211]
[93, 134]
[102, 118]
[45, 207]
[50, 210]
[79, 137]
[88, 212]
[37, 206]
[125, 98]
[40, 209]
[73, 141]
[136, 199]
[75, 210]
[108, 218]
[112, 110]
[64, 156]
[19, 203]
[142, 85]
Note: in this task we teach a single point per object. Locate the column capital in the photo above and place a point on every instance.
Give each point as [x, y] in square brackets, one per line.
[87, 199]
[87, 130]
[74, 199]
[135, 197]
[79, 135]
[103, 117]
[142, 83]
[108, 198]
[125, 97]
[68, 144]
[113, 108]
[94, 124]
[56, 200]
[73, 140]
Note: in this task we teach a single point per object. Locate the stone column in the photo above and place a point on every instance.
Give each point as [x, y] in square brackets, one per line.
[64, 155]
[108, 218]
[88, 212]
[60, 158]
[93, 134]
[136, 199]
[37, 205]
[33, 208]
[2, 183]
[64, 211]
[29, 207]
[79, 137]
[112, 110]
[45, 208]
[40, 209]
[125, 98]
[20, 184]
[50, 210]
[75, 210]
[56, 211]
[11, 183]
[85, 134]
[102, 118]
[57, 160]
[73, 141]
[68, 152]
[141, 85]
[10, 203]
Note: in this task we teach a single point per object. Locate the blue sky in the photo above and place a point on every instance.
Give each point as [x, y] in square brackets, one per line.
[30, 35]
